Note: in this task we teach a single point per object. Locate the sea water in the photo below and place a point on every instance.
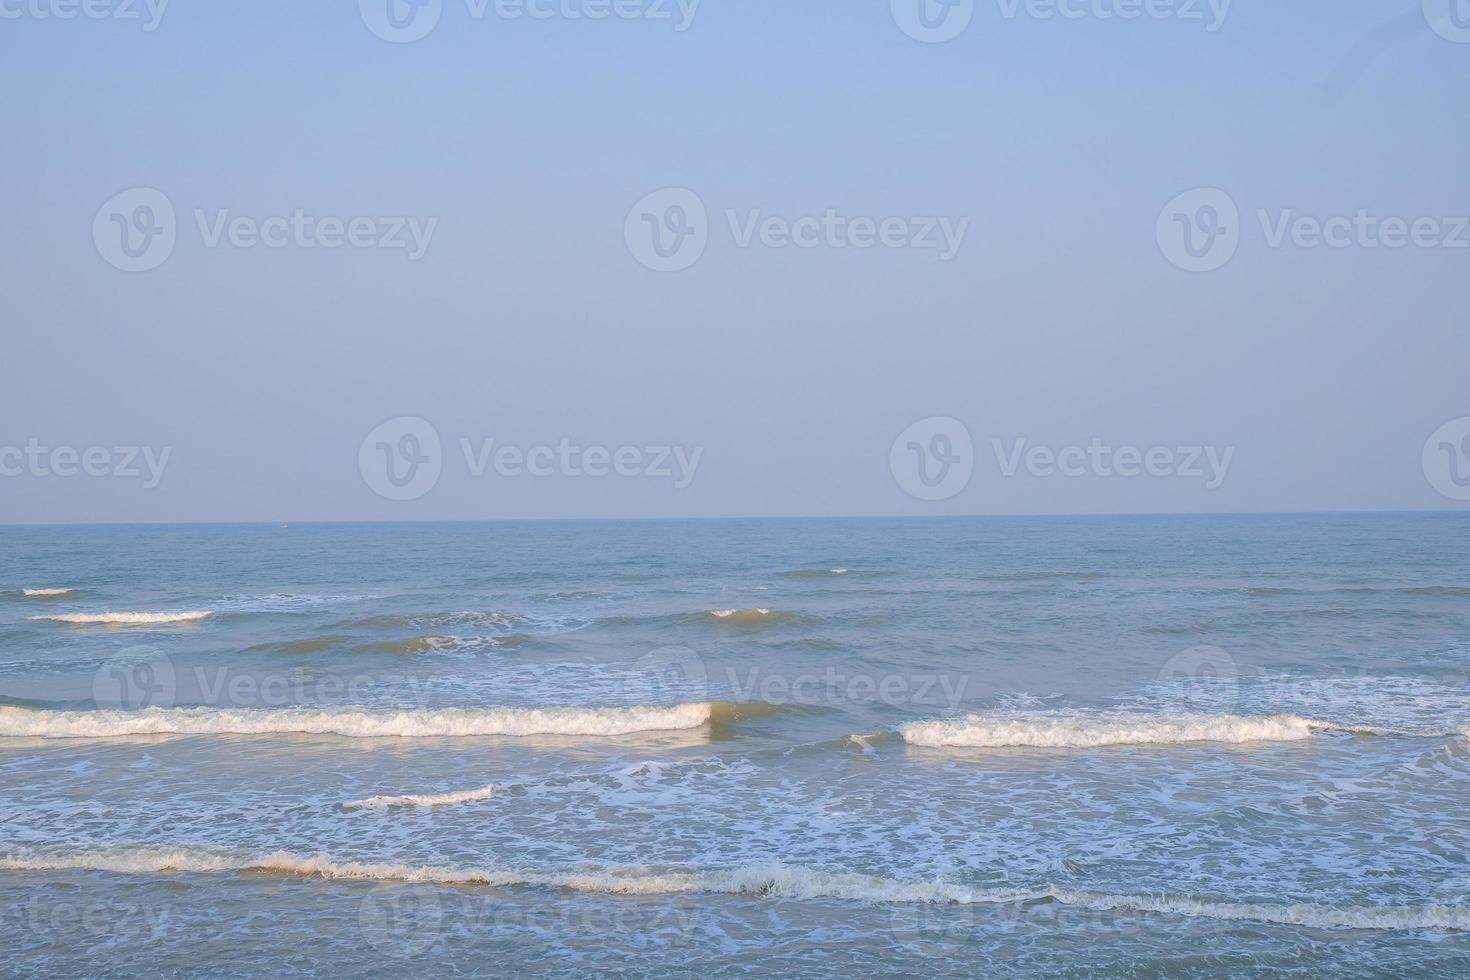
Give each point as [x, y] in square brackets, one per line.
[1125, 746]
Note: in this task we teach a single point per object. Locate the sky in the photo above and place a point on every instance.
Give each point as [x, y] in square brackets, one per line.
[342, 260]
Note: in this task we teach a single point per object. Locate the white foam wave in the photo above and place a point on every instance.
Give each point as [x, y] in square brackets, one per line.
[1087, 730]
[739, 613]
[763, 880]
[126, 618]
[285, 601]
[28, 722]
[424, 799]
[45, 592]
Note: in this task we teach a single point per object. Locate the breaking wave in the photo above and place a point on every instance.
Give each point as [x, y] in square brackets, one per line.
[424, 799]
[750, 615]
[437, 643]
[126, 618]
[772, 879]
[1087, 730]
[45, 593]
[418, 723]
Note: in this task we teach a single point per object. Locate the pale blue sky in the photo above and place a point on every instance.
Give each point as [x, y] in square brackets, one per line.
[527, 319]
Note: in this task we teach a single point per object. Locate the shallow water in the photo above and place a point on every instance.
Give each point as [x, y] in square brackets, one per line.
[1135, 746]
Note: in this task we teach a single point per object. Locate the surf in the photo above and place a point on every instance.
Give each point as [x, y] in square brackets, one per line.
[125, 618]
[422, 799]
[1096, 729]
[20, 722]
[760, 879]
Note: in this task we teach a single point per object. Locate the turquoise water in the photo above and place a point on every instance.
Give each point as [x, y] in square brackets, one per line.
[1133, 746]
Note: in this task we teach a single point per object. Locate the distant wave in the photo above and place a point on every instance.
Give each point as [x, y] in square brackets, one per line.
[761, 615]
[1088, 730]
[425, 799]
[284, 602]
[45, 593]
[309, 644]
[470, 620]
[773, 879]
[750, 615]
[126, 618]
[496, 618]
[420, 723]
[814, 572]
[430, 644]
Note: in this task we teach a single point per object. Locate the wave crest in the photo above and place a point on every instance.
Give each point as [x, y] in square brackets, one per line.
[44, 593]
[759, 615]
[1088, 730]
[126, 618]
[420, 723]
[773, 879]
[422, 799]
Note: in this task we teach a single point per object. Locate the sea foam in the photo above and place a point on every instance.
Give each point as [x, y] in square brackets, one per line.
[424, 799]
[773, 879]
[41, 593]
[440, 722]
[1090, 729]
[126, 618]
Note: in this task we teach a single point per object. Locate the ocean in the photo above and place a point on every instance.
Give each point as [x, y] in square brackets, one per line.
[1151, 746]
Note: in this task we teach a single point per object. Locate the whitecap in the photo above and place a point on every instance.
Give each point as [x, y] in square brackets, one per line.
[127, 618]
[28, 722]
